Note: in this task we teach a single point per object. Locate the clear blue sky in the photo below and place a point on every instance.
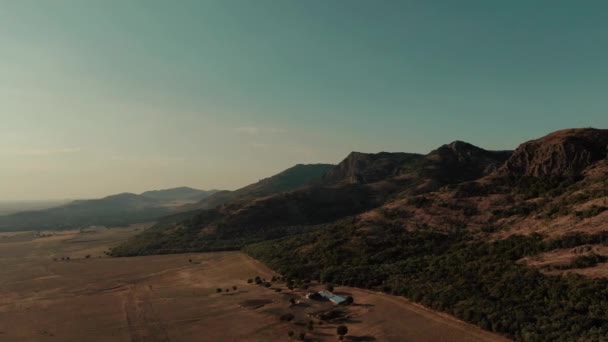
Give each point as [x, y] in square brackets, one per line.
[99, 97]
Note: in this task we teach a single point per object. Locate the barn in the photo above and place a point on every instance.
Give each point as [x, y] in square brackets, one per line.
[332, 297]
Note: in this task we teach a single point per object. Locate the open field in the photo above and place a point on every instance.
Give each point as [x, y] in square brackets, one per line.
[169, 298]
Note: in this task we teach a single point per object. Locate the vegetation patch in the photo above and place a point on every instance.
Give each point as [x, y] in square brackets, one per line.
[477, 281]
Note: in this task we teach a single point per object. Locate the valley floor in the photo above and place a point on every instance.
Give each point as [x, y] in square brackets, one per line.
[169, 298]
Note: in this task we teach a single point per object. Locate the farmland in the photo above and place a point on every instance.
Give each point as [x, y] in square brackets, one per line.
[46, 297]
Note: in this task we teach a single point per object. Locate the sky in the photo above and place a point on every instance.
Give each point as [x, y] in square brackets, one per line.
[107, 96]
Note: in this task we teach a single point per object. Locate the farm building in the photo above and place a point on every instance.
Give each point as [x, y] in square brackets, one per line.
[332, 297]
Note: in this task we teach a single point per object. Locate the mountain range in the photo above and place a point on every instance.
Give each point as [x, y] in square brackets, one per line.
[511, 241]
[120, 209]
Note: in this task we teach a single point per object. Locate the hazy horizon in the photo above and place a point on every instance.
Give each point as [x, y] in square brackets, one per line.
[104, 97]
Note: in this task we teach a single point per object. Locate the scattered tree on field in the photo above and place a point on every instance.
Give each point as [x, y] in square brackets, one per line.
[341, 331]
[218, 290]
[234, 288]
[329, 287]
[349, 300]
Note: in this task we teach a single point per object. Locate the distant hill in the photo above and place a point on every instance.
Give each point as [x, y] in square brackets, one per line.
[120, 209]
[183, 193]
[289, 179]
[11, 207]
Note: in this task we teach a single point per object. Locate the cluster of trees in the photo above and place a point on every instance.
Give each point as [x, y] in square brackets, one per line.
[477, 281]
[592, 211]
[219, 290]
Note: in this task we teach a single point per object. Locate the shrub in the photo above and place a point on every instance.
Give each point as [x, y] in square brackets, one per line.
[288, 317]
[592, 211]
[342, 330]
[420, 201]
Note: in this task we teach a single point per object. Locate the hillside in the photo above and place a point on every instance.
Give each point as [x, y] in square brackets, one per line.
[183, 193]
[359, 183]
[289, 179]
[120, 209]
[462, 248]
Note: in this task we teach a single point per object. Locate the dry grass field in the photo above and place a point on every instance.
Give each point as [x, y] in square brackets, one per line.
[169, 298]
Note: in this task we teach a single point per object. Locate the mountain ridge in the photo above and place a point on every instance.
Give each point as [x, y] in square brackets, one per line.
[118, 209]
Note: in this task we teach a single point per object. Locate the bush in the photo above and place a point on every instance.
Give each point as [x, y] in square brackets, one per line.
[592, 211]
[342, 330]
[288, 317]
[420, 201]
[585, 261]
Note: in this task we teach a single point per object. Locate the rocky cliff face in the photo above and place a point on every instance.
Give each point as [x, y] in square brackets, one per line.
[363, 168]
[460, 161]
[562, 153]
